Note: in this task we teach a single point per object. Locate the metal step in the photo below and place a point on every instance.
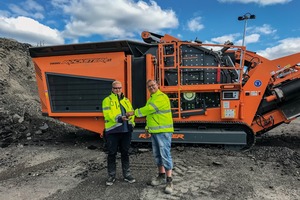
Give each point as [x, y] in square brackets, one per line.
[206, 136]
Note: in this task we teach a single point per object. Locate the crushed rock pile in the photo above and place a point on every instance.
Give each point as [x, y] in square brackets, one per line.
[21, 121]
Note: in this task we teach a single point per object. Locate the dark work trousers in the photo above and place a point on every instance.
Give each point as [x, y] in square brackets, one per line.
[115, 142]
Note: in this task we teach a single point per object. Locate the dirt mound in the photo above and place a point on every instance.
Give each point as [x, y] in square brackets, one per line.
[20, 116]
[17, 79]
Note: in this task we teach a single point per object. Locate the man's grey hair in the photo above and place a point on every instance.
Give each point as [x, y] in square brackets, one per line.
[151, 81]
[115, 82]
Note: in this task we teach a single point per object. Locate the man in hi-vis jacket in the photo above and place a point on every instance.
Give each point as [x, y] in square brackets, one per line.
[160, 125]
[118, 131]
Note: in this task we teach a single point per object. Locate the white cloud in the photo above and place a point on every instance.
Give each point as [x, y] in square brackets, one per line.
[260, 2]
[285, 47]
[32, 5]
[265, 29]
[195, 24]
[86, 18]
[179, 36]
[28, 8]
[115, 19]
[27, 30]
[225, 38]
[251, 38]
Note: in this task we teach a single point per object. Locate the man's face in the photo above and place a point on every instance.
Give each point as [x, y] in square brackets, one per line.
[117, 88]
[152, 87]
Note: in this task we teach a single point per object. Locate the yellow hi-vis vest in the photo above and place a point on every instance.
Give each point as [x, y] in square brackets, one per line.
[112, 111]
[158, 113]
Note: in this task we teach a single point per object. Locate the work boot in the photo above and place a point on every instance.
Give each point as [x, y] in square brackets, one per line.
[129, 179]
[110, 181]
[169, 186]
[159, 180]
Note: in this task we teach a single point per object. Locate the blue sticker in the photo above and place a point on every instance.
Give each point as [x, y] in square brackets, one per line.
[257, 83]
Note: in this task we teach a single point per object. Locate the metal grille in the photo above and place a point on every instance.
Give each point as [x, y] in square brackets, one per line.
[77, 94]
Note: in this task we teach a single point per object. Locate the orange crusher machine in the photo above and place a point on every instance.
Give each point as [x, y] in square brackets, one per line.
[220, 94]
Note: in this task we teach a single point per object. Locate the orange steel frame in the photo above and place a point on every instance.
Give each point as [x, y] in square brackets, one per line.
[247, 105]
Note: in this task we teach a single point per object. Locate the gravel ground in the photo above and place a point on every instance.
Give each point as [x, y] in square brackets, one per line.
[73, 166]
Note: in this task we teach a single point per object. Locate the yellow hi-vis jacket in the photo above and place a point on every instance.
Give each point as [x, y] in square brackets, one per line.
[112, 113]
[158, 113]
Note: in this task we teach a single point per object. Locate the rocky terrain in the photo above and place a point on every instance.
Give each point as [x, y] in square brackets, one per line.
[44, 159]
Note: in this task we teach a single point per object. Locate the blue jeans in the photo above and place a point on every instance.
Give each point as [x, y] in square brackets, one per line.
[161, 147]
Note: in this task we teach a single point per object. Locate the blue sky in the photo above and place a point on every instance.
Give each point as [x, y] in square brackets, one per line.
[274, 33]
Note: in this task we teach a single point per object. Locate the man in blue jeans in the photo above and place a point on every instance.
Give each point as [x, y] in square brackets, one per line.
[160, 125]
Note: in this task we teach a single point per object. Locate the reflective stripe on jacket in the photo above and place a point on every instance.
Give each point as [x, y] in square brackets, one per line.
[112, 112]
[158, 113]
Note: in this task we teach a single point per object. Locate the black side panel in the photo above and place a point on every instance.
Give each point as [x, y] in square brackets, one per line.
[126, 46]
[198, 56]
[138, 84]
[77, 94]
[195, 57]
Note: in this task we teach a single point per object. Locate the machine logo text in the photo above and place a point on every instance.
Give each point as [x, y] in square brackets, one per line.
[85, 60]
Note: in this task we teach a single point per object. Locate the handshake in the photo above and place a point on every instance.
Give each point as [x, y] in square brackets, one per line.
[128, 116]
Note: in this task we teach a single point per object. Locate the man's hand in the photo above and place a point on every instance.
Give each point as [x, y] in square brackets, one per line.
[148, 135]
[124, 118]
[128, 114]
